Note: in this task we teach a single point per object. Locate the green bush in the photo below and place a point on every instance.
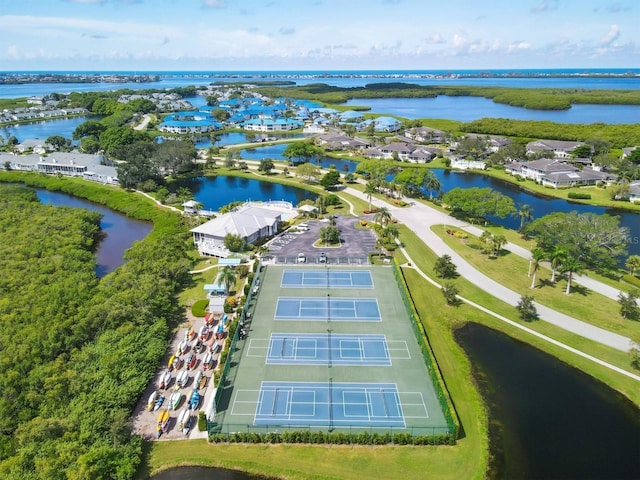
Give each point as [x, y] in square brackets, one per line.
[202, 422]
[579, 195]
[199, 308]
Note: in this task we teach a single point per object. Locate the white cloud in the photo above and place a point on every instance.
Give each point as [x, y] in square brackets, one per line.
[612, 35]
[435, 39]
[213, 4]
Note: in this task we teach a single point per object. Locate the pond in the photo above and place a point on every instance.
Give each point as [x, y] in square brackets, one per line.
[203, 473]
[549, 420]
[43, 130]
[119, 230]
[215, 192]
[232, 138]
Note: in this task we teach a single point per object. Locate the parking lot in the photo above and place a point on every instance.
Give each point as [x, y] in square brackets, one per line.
[355, 244]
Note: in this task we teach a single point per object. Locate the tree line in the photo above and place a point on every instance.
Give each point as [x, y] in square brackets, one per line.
[77, 352]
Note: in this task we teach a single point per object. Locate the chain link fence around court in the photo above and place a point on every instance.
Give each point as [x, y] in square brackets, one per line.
[427, 354]
[291, 260]
[243, 316]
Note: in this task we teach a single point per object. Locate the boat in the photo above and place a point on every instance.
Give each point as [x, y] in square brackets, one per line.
[182, 347]
[165, 380]
[192, 361]
[204, 333]
[159, 402]
[208, 360]
[163, 416]
[187, 425]
[198, 377]
[175, 400]
[177, 363]
[170, 363]
[202, 382]
[152, 400]
[182, 379]
[182, 419]
[194, 402]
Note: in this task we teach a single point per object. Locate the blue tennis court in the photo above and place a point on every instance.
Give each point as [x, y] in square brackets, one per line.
[326, 279]
[328, 308]
[328, 349]
[327, 404]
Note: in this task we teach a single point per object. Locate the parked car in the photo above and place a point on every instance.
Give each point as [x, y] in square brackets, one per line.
[323, 257]
[302, 258]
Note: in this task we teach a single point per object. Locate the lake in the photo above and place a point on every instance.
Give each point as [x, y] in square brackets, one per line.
[232, 138]
[43, 130]
[203, 473]
[549, 420]
[468, 109]
[119, 230]
[215, 192]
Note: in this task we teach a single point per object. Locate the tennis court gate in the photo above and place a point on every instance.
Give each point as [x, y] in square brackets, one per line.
[291, 260]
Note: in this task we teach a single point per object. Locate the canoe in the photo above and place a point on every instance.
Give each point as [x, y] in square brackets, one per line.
[204, 332]
[176, 399]
[159, 402]
[182, 348]
[182, 419]
[152, 400]
[182, 379]
[198, 378]
[208, 358]
[177, 363]
[163, 416]
[194, 402]
[171, 360]
[165, 380]
[203, 382]
[192, 361]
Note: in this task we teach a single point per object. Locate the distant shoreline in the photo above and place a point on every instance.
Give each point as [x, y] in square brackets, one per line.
[55, 77]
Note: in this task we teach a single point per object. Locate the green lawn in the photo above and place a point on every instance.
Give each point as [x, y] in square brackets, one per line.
[510, 269]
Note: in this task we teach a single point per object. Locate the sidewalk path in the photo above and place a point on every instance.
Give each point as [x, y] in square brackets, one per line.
[420, 218]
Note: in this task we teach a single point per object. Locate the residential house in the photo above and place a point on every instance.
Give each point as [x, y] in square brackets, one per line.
[426, 135]
[35, 145]
[341, 142]
[560, 148]
[634, 192]
[556, 173]
[271, 125]
[250, 222]
[467, 164]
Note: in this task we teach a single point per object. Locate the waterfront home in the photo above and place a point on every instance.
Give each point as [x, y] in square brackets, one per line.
[402, 151]
[634, 192]
[249, 222]
[189, 122]
[351, 116]
[560, 148]
[271, 125]
[341, 142]
[34, 145]
[381, 124]
[426, 135]
[95, 168]
[556, 173]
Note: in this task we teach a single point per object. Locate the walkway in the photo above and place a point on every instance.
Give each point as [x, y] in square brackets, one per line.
[420, 218]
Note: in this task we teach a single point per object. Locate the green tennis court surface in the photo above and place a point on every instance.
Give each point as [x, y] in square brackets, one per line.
[343, 360]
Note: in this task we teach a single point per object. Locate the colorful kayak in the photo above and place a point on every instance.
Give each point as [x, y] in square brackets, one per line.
[152, 400]
[175, 400]
[182, 419]
[165, 380]
[194, 402]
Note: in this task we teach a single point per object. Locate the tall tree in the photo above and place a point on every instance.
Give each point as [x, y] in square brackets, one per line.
[525, 214]
[369, 190]
[571, 266]
[537, 255]
[633, 263]
[556, 257]
[596, 241]
[228, 279]
[382, 216]
[479, 202]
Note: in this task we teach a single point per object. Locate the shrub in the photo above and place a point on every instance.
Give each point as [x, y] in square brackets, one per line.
[202, 422]
[229, 304]
[199, 308]
[579, 195]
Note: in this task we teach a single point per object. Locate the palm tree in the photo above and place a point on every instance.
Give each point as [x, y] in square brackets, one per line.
[380, 245]
[525, 213]
[369, 190]
[497, 242]
[391, 232]
[432, 183]
[570, 266]
[536, 257]
[633, 264]
[184, 194]
[486, 242]
[556, 258]
[382, 216]
[263, 250]
[228, 278]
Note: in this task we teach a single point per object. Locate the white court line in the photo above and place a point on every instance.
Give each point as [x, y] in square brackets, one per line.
[420, 403]
[402, 347]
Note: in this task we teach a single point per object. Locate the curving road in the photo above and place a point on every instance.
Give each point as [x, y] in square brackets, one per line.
[420, 218]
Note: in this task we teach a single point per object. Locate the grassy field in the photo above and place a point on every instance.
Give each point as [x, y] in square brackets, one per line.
[510, 269]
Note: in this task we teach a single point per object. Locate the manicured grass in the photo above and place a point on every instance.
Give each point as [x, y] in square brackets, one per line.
[510, 269]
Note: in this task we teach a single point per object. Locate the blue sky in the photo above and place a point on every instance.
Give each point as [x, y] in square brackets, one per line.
[317, 34]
